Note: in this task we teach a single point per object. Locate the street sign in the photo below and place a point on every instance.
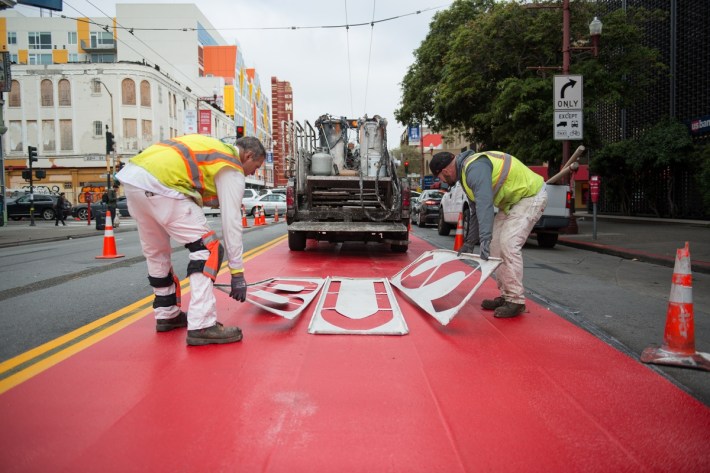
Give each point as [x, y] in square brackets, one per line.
[414, 135]
[568, 92]
[594, 188]
[568, 125]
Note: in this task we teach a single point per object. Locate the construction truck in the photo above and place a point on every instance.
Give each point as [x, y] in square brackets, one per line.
[342, 183]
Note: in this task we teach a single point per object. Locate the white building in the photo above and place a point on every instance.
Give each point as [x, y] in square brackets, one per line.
[74, 79]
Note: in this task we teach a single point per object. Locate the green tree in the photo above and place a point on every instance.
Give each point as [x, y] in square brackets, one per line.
[647, 165]
[471, 74]
[411, 154]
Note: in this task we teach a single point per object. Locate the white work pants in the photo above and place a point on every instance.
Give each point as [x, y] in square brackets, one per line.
[509, 235]
[159, 218]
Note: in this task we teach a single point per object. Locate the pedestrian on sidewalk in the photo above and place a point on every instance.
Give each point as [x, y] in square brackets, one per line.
[59, 215]
[489, 179]
[166, 186]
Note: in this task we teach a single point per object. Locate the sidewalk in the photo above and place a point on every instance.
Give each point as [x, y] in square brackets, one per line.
[644, 239]
[21, 233]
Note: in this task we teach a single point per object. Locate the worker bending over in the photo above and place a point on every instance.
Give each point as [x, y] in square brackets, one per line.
[489, 179]
[166, 187]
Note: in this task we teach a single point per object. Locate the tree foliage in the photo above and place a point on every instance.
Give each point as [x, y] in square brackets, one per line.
[472, 72]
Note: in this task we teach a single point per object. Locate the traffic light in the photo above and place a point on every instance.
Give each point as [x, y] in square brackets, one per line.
[406, 167]
[26, 174]
[109, 142]
[240, 131]
[32, 154]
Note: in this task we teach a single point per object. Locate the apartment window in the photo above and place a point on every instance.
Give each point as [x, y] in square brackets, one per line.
[173, 105]
[145, 93]
[47, 92]
[39, 40]
[95, 86]
[13, 58]
[65, 135]
[71, 37]
[11, 37]
[101, 38]
[98, 128]
[73, 57]
[128, 89]
[160, 94]
[130, 133]
[15, 96]
[48, 136]
[64, 89]
[14, 135]
[103, 58]
[147, 132]
[162, 133]
[39, 59]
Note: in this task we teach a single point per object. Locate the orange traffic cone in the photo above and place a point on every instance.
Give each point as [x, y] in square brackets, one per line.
[257, 216]
[262, 215]
[458, 240]
[245, 224]
[109, 240]
[276, 215]
[678, 347]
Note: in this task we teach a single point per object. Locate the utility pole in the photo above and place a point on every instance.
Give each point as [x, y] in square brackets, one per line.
[5, 86]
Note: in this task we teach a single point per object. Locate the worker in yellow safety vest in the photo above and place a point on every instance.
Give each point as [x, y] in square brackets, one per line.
[489, 179]
[166, 187]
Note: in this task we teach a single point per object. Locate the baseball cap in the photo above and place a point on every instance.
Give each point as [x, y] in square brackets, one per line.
[440, 161]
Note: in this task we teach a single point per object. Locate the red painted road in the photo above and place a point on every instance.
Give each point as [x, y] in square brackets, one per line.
[534, 393]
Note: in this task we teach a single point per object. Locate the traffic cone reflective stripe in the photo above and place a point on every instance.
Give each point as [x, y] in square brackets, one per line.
[458, 240]
[679, 338]
[245, 224]
[109, 240]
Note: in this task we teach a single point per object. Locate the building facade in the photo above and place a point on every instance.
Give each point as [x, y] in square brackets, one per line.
[282, 111]
[75, 79]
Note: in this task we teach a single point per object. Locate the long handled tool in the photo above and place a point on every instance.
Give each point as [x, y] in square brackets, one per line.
[568, 165]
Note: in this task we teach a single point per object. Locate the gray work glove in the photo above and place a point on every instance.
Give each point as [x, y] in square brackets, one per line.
[467, 247]
[485, 249]
[239, 288]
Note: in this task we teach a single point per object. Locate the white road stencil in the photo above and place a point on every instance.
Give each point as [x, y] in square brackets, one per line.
[357, 306]
[440, 283]
[286, 297]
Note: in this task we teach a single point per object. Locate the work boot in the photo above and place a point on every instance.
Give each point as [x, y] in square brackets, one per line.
[217, 333]
[165, 325]
[492, 304]
[509, 309]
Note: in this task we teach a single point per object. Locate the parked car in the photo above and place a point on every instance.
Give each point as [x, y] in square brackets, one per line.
[425, 208]
[250, 196]
[19, 207]
[80, 210]
[269, 203]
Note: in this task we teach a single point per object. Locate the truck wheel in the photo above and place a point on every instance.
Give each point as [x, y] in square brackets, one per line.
[399, 248]
[296, 241]
[547, 240]
[442, 227]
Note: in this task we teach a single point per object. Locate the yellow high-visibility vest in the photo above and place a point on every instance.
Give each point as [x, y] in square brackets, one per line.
[512, 180]
[188, 164]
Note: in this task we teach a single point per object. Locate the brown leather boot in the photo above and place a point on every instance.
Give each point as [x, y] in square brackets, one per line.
[492, 304]
[165, 325]
[508, 310]
[217, 333]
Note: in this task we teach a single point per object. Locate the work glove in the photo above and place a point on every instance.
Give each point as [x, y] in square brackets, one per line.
[467, 247]
[485, 250]
[239, 288]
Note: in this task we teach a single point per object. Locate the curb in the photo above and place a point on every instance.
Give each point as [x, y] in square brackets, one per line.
[697, 266]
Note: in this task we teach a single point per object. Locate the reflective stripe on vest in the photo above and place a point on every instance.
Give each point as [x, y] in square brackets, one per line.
[512, 179]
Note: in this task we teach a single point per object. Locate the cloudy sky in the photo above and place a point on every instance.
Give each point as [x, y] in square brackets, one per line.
[340, 71]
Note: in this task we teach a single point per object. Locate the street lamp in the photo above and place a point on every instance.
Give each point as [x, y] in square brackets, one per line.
[595, 31]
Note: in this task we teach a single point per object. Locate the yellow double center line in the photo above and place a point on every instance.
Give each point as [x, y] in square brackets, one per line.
[30, 363]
